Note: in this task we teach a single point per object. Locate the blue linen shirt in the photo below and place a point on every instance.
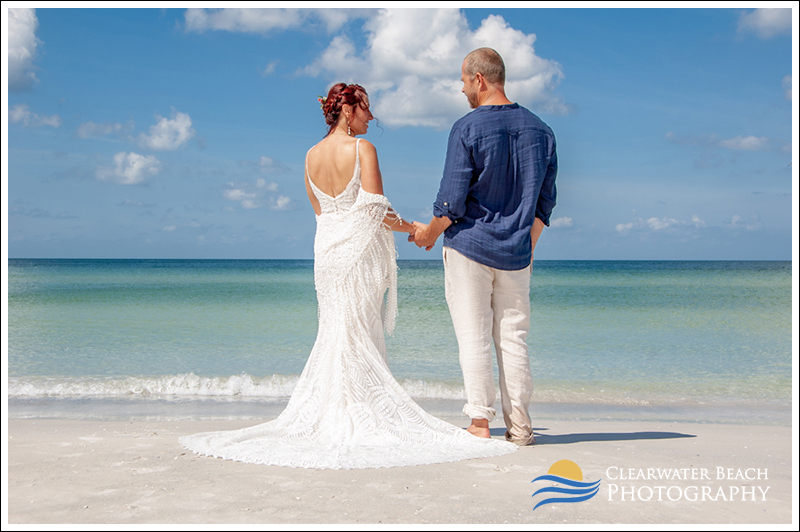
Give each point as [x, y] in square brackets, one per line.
[500, 172]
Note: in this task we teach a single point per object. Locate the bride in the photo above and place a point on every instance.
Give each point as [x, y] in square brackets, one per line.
[347, 410]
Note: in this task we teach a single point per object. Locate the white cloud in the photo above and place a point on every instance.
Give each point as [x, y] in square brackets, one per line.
[237, 194]
[787, 86]
[281, 203]
[656, 224]
[686, 140]
[265, 165]
[133, 203]
[624, 228]
[169, 228]
[412, 65]
[169, 134]
[21, 113]
[749, 143]
[738, 222]
[262, 183]
[241, 20]
[739, 143]
[264, 21]
[268, 165]
[766, 22]
[564, 221]
[130, 169]
[424, 215]
[251, 196]
[22, 43]
[93, 129]
[269, 69]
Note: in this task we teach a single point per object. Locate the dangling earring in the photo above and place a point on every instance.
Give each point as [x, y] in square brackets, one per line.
[348, 127]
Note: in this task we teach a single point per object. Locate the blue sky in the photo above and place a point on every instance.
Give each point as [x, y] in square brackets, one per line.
[150, 133]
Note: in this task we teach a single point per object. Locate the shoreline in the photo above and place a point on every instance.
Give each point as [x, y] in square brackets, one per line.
[278, 387]
[87, 471]
[199, 408]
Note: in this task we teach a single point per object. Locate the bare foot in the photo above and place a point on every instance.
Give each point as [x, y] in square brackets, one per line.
[480, 428]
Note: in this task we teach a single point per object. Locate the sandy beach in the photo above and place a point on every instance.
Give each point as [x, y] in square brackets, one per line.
[78, 471]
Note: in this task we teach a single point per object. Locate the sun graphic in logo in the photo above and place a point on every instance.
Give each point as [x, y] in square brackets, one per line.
[568, 473]
[566, 469]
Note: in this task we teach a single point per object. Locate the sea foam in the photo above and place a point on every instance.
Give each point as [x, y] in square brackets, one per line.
[191, 385]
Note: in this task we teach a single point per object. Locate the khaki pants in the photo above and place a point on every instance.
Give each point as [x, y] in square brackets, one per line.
[489, 304]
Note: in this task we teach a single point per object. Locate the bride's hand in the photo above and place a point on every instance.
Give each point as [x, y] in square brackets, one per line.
[412, 231]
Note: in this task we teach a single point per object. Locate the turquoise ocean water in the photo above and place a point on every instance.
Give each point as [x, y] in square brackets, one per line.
[186, 339]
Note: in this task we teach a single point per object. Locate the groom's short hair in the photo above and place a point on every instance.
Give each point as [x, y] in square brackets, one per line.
[488, 62]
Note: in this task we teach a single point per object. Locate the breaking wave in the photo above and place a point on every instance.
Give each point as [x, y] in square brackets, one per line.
[191, 385]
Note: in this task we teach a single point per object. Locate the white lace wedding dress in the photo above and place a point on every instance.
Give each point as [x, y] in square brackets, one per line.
[347, 410]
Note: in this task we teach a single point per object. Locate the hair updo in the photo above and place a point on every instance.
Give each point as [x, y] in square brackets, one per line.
[343, 94]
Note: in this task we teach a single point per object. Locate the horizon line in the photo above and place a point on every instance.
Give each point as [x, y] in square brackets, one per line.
[398, 260]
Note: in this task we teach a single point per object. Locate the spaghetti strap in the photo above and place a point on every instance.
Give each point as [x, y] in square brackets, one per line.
[309, 151]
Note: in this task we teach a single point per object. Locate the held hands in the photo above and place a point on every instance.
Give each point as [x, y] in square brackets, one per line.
[422, 236]
[411, 231]
[426, 235]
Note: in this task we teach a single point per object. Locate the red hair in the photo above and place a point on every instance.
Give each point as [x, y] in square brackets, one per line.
[343, 94]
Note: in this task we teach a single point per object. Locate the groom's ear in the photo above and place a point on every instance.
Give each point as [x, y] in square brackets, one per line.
[481, 81]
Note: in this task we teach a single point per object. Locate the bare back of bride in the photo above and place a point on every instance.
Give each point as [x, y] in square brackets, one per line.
[347, 410]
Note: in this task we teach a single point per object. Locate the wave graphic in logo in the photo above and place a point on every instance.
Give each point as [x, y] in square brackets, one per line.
[566, 473]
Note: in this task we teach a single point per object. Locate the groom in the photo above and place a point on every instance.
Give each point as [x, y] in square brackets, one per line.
[495, 197]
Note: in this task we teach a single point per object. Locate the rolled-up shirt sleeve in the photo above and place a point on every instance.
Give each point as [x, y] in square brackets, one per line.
[547, 194]
[458, 170]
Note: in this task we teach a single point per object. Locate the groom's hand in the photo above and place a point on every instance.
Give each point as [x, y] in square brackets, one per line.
[422, 236]
[414, 236]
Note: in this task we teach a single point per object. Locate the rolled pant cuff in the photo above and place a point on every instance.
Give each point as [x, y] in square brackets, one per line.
[521, 441]
[479, 412]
